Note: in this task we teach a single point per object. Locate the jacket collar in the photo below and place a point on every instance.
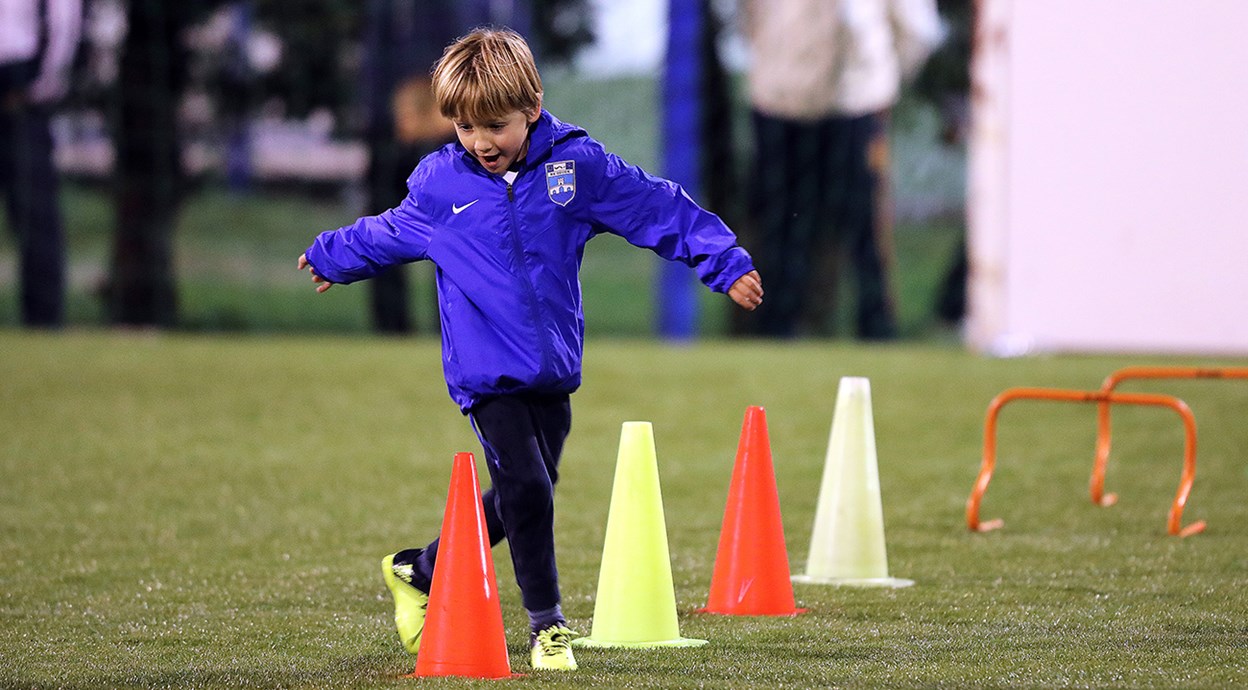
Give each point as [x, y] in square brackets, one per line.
[543, 135]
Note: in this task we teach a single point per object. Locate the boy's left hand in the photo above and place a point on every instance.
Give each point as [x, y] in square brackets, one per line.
[747, 291]
[323, 284]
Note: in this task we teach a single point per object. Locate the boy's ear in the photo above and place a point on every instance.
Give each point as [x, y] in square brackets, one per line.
[536, 112]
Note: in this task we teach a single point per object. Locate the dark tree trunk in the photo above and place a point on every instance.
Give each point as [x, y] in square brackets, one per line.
[147, 175]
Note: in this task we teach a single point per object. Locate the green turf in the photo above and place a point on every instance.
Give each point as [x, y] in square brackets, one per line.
[191, 511]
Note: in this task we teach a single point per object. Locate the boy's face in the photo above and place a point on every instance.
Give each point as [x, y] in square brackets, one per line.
[499, 142]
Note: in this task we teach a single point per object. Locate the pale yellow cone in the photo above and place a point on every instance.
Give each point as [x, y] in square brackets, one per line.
[847, 543]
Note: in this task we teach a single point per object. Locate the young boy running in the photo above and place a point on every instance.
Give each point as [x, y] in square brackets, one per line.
[504, 214]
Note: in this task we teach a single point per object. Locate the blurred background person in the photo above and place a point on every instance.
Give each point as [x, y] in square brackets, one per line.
[823, 76]
[38, 41]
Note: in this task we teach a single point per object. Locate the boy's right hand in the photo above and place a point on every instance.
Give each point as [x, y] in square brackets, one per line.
[324, 284]
[747, 291]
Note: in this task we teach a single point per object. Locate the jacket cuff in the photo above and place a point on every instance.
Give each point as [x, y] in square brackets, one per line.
[727, 269]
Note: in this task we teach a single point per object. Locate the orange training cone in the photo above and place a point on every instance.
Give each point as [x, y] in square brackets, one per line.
[464, 626]
[752, 565]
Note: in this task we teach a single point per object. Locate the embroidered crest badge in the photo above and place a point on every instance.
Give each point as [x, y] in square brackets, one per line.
[561, 181]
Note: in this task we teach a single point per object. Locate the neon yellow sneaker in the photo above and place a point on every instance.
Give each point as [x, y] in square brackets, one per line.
[552, 650]
[410, 604]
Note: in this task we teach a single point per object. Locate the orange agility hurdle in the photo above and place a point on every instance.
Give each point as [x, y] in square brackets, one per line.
[1096, 485]
[1101, 397]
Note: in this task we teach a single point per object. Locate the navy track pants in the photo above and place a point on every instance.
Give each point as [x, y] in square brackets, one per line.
[523, 438]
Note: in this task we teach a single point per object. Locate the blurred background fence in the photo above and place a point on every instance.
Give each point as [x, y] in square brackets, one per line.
[203, 144]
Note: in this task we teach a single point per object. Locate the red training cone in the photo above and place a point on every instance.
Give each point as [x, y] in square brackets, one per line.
[752, 565]
[464, 626]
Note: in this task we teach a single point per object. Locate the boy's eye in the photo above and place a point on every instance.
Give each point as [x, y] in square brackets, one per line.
[464, 127]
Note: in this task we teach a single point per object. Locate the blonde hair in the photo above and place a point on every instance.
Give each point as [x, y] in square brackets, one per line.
[486, 74]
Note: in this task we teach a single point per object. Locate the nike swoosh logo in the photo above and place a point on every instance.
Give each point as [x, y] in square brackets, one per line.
[460, 209]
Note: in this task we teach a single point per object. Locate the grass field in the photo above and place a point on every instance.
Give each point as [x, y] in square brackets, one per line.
[210, 511]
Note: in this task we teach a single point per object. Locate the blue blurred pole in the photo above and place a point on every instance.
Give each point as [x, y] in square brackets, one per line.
[676, 291]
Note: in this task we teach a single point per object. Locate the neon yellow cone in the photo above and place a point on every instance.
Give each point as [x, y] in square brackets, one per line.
[636, 603]
[847, 544]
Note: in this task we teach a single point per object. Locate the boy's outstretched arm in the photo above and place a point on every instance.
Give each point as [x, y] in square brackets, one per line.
[747, 291]
[325, 284]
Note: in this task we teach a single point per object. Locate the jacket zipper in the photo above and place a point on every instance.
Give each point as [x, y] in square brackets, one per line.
[531, 289]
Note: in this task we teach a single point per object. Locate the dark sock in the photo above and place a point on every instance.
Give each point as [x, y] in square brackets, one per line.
[412, 557]
[407, 556]
[540, 620]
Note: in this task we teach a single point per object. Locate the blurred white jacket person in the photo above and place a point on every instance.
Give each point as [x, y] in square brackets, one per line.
[823, 75]
[42, 36]
[810, 58]
[38, 39]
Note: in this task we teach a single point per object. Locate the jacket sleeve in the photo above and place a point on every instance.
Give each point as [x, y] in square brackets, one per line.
[917, 31]
[658, 214]
[372, 244]
[63, 31]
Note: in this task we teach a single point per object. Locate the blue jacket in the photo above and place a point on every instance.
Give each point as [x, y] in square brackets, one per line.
[508, 256]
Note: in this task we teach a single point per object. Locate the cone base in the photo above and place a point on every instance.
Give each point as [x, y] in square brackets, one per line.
[678, 642]
[890, 582]
[773, 614]
[460, 673]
